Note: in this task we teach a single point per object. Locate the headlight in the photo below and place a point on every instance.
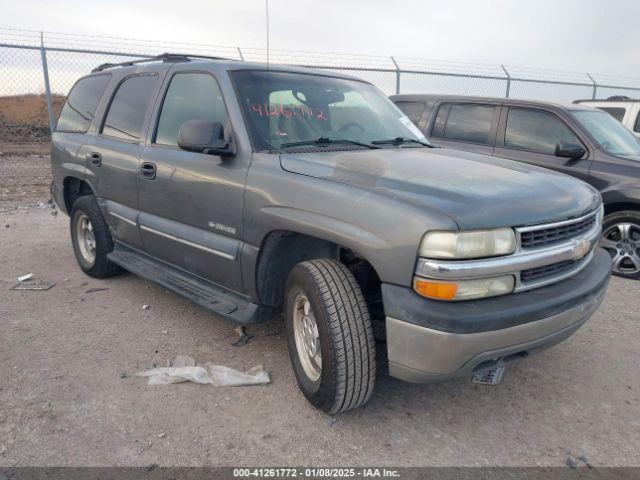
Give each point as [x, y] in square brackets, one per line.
[472, 244]
[464, 289]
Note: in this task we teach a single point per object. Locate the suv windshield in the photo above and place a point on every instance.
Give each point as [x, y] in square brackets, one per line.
[608, 132]
[283, 109]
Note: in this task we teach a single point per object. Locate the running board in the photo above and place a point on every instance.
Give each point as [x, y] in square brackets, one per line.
[229, 305]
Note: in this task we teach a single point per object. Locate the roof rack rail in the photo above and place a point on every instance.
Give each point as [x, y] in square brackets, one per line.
[619, 97]
[614, 98]
[164, 57]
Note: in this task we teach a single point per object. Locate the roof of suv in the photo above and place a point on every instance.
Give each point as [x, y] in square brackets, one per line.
[219, 62]
[470, 98]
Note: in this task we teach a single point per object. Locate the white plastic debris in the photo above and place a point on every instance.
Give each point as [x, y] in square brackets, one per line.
[26, 277]
[145, 307]
[222, 376]
[184, 369]
[168, 375]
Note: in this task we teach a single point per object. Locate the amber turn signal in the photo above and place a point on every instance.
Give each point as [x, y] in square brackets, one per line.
[465, 289]
[435, 290]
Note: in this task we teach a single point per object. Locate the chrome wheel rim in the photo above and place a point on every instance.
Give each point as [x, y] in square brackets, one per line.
[622, 241]
[86, 239]
[307, 337]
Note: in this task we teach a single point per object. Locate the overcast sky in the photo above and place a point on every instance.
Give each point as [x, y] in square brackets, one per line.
[598, 36]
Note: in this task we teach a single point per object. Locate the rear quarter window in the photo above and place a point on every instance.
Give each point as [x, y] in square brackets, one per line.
[81, 104]
[636, 127]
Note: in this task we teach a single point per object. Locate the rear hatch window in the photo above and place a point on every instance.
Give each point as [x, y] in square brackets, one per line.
[81, 104]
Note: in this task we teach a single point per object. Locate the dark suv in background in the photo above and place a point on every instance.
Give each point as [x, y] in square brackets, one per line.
[581, 141]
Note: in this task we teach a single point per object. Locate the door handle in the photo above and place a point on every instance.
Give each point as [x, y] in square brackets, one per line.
[148, 170]
[95, 159]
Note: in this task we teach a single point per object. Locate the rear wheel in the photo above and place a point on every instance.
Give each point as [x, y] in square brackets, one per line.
[91, 238]
[329, 336]
[621, 238]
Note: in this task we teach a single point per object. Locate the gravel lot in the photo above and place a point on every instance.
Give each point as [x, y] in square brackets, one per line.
[24, 179]
[69, 396]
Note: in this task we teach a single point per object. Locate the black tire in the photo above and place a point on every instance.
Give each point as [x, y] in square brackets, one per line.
[347, 376]
[87, 207]
[611, 240]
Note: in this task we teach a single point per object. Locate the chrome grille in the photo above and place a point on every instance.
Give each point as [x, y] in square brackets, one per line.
[556, 234]
[547, 270]
[545, 254]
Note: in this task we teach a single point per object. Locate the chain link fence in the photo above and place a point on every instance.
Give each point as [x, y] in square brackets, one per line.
[37, 70]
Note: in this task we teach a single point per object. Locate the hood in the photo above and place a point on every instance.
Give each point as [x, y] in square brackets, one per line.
[475, 191]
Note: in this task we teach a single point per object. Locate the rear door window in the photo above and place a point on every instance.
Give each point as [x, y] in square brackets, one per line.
[536, 131]
[190, 96]
[413, 110]
[128, 109]
[615, 112]
[469, 123]
[81, 104]
[636, 127]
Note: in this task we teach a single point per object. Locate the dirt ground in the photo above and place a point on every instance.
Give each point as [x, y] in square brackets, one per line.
[24, 179]
[69, 397]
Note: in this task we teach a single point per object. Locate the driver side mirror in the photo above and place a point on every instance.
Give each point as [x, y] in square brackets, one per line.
[570, 150]
[204, 136]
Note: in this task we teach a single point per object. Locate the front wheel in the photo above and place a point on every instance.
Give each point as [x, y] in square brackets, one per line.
[621, 238]
[329, 335]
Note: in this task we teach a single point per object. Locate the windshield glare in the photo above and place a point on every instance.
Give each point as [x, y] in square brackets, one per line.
[282, 108]
[610, 134]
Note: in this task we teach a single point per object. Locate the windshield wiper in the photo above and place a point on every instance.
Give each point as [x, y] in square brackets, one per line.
[401, 140]
[326, 141]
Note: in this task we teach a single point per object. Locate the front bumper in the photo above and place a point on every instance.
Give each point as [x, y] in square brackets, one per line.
[430, 341]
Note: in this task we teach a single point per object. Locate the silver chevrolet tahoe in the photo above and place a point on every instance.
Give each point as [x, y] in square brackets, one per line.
[252, 189]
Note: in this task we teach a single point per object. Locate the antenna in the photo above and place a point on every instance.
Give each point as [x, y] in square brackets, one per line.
[267, 102]
[266, 2]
